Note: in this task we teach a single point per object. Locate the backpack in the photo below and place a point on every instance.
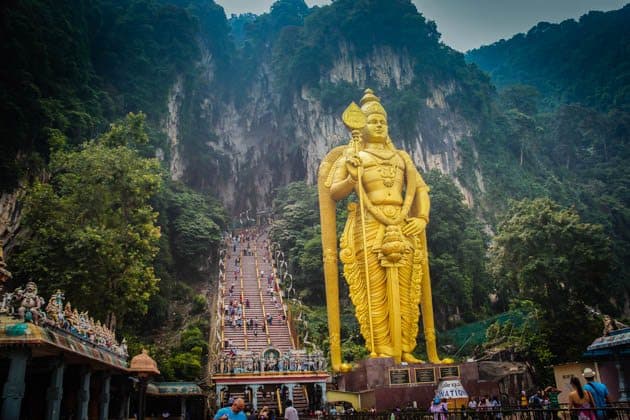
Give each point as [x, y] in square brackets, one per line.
[534, 402]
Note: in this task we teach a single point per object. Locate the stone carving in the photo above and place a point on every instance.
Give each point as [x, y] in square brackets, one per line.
[60, 315]
[271, 360]
[30, 303]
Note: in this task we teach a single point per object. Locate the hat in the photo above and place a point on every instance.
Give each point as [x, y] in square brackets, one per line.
[436, 400]
[588, 373]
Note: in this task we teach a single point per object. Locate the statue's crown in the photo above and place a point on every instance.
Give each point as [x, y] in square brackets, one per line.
[371, 104]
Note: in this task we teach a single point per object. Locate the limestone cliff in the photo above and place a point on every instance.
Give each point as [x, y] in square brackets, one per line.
[262, 139]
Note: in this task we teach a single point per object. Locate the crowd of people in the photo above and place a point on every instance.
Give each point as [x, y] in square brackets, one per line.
[238, 361]
[236, 309]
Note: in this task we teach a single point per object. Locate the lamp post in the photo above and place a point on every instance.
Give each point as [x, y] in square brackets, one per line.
[143, 366]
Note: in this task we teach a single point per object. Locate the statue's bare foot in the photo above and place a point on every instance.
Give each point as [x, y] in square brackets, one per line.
[346, 367]
[409, 358]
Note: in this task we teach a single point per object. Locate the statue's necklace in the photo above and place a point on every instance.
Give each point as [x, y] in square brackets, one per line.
[386, 166]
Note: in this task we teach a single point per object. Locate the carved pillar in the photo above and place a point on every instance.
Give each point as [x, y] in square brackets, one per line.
[220, 388]
[13, 390]
[124, 396]
[54, 393]
[142, 397]
[103, 407]
[83, 393]
[255, 396]
[183, 407]
[290, 387]
[323, 386]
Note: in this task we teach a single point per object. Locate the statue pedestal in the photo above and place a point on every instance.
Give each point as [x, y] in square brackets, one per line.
[385, 385]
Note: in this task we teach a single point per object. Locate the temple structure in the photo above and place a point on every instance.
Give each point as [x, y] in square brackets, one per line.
[57, 362]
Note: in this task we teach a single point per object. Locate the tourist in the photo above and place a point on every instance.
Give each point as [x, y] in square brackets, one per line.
[495, 406]
[264, 413]
[523, 401]
[554, 405]
[598, 390]
[234, 412]
[439, 409]
[581, 400]
[290, 413]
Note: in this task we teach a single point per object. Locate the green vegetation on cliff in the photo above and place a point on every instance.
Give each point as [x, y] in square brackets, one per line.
[585, 61]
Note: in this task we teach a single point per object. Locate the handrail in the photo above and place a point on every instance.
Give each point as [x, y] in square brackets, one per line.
[279, 401]
[284, 309]
[242, 301]
[305, 391]
[262, 301]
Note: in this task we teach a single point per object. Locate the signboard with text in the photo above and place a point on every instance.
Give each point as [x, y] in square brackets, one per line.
[450, 389]
[425, 375]
[399, 377]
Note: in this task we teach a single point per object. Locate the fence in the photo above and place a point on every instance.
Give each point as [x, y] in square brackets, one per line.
[617, 412]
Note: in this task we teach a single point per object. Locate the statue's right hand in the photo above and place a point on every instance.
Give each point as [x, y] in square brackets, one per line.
[352, 166]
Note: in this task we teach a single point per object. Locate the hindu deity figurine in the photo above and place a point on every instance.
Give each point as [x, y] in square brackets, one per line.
[383, 247]
[54, 309]
[30, 303]
[75, 322]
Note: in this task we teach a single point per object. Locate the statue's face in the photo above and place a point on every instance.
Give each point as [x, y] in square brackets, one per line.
[376, 128]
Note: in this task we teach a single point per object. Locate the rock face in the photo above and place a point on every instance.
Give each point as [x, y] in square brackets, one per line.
[10, 211]
[172, 130]
[263, 140]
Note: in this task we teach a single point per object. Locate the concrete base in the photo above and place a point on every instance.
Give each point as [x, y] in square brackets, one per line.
[383, 384]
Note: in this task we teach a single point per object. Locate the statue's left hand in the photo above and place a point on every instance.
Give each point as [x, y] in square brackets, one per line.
[414, 226]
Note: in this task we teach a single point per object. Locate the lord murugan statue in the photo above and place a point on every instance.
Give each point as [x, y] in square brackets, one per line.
[383, 247]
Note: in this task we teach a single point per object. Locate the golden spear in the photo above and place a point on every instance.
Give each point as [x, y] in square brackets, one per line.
[354, 119]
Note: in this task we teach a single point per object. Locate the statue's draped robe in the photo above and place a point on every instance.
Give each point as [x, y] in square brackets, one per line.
[409, 268]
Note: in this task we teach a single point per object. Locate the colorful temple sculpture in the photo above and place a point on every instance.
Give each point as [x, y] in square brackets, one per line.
[57, 361]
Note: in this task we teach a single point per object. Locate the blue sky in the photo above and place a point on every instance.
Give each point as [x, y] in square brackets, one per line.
[467, 24]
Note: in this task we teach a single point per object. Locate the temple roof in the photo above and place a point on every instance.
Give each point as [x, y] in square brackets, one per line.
[170, 389]
[45, 341]
[617, 341]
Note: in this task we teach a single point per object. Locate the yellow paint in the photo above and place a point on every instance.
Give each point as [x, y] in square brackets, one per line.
[353, 398]
[390, 282]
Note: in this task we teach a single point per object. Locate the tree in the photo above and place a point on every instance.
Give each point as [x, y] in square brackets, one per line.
[194, 222]
[91, 232]
[456, 254]
[296, 228]
[546, 254]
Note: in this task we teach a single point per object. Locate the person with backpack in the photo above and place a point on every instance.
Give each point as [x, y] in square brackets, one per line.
[598, 390]
[439, 409]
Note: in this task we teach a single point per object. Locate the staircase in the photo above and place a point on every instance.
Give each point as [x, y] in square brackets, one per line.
[247, 275]
[247, 288]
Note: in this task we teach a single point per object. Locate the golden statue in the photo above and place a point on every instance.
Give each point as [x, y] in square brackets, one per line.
[390, 281]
